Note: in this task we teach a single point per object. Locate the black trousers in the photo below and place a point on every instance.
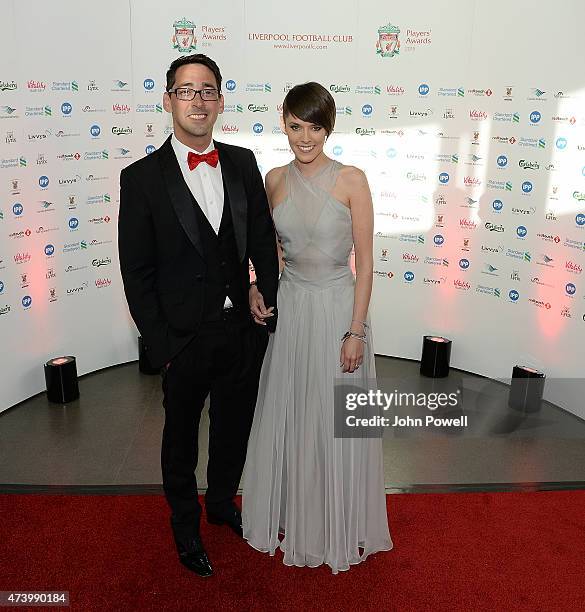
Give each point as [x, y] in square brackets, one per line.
[223, 361]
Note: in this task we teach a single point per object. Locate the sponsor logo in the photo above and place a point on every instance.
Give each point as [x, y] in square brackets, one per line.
[8, 86]
[92, 109]
[388, 275]
[493, 227]
[540, 304]
[72, 268]
[121, 131]
[78, 289]
[422, 114]
[118, 85]
[537, 281]
[21, 258]
[486, 290]
[549, 238]
[573, 267]
[394, 90]
[480, 92]
[514, 254]
[526, 165]
[506, 117]
[537, 94]
[72, 180]
[469, 203]
[339, 88]
[477, 115]
[462, 285]
[69, 157]
[467, 224]
[36, 86]
[121, 109]
[99, 220]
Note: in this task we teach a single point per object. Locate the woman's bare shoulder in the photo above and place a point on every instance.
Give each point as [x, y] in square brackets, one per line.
[351, 176]
[273, 176]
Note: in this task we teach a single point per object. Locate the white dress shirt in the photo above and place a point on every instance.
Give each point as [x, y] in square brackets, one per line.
[204, 182]
[206, 185]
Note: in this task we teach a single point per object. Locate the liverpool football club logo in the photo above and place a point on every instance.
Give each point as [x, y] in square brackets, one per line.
[184, 37]
[388, 44]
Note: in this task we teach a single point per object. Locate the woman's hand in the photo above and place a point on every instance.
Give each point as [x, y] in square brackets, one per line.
[257, 307]
[352, 354]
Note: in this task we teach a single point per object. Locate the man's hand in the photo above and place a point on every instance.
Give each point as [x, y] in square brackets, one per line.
[257, 307]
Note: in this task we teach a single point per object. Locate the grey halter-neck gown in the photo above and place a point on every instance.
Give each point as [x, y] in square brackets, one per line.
[317, 498]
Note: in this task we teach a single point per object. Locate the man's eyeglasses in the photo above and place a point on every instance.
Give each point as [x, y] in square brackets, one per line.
[187, 94]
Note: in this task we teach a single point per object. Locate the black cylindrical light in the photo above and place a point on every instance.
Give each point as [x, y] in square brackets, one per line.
[436, 354]
[143, 361]
[526, 389]
[61, 380]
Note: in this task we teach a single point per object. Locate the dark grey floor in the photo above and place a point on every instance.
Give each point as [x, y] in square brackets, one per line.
[109, 439]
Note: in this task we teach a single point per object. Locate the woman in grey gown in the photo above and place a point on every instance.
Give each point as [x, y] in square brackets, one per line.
[318, 498]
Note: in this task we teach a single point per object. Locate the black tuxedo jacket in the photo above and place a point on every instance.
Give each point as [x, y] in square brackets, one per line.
[161, 255]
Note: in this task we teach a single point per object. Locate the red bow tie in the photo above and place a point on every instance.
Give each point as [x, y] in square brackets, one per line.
[194, 159]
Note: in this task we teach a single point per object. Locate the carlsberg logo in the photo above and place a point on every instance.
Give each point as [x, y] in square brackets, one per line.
[118, 131]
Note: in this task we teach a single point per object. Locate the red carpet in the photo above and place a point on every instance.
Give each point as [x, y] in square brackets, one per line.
[472, 551]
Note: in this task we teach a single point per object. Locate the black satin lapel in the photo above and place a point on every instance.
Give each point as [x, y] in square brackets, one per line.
[179, 194]
[234, 185]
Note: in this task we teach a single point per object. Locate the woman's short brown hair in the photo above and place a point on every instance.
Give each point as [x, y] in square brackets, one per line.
[311, 102]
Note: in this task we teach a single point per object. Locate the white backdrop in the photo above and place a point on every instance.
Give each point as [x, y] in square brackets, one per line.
[471, 132]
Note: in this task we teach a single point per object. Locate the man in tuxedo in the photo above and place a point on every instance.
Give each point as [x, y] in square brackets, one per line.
[192, 214]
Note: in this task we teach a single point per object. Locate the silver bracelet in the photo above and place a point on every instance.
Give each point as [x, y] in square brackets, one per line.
[350, 334]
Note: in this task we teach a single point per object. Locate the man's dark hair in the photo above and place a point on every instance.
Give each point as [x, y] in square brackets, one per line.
[196, 58]
[311, 102]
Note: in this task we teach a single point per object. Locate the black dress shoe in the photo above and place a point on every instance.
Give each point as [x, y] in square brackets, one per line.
[231, 517]
[193, 556]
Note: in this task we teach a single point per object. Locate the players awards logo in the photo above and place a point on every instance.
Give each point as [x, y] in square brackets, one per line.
[184, 37]
[388, 43]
